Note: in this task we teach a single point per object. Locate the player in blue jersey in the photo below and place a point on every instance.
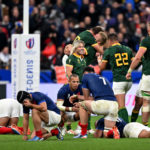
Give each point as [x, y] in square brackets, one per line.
[45, 114]
[68, 111]
[104, 102]
[127, 130]
[99, 125]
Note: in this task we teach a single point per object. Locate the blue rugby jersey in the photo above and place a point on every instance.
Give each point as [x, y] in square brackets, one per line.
[65, 92]
[38, 98]
[98, 86]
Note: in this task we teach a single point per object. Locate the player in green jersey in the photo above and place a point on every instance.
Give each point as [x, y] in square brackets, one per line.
[119, 58]
[76, 63]
[94, 40]
[144, 51]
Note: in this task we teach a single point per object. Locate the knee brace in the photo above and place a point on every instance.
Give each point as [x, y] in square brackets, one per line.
[83, 105]
[146, 108]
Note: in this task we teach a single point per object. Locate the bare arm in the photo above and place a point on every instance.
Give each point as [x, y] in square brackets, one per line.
[69, 69]
[41, 107]
[86, 93]
[25, 126]
[98, 48]
[136, 61]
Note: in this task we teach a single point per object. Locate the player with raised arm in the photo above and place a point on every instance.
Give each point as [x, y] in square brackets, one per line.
[94, 40]
[119, 57]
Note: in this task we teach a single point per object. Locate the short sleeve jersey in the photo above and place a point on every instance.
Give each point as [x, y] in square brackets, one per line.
[78, 64]
[98, 86]
[146, 59]
[119, 57]
[38, 98]
[120, 123]
[89, 41]
[65, 92]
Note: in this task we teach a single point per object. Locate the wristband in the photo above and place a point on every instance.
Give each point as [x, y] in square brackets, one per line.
[130, 70]
[75, 96]
[70, 108]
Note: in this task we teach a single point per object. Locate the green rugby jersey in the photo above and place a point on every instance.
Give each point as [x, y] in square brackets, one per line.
[119, 58]
[89, 41]
[146, 58]
[78, 64]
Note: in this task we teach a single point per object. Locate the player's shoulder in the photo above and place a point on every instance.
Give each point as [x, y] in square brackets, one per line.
[64, 88]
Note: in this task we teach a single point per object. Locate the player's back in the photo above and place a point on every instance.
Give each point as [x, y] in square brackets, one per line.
[120, 57]
[98, 86]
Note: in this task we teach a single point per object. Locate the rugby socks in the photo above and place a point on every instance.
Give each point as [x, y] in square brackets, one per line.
[39, 133]
[6, 130]
[134, 116]
[89, 123]
[84, 129]
[123, 114]
[54, 132]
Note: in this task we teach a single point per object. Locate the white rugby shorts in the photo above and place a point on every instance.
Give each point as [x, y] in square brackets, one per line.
[121, 87]
[54, 119]
[133, 129]
[9, 108]
[105, 107]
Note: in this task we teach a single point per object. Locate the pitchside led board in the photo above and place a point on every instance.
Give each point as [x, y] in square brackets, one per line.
[25, 72]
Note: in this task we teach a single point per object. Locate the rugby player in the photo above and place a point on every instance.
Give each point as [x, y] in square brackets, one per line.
[45, 115]
[119, 57]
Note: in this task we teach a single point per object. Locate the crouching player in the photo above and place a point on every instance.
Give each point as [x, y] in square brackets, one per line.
[99, 125]
[68, 111]
[45, 115]
[104, 102]
[136, 130]
[9, 116]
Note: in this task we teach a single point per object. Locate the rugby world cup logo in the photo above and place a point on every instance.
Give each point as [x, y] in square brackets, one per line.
[30, 43]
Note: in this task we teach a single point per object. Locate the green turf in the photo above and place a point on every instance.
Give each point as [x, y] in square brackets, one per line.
[15, 142]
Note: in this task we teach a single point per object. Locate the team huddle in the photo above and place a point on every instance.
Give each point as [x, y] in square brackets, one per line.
[89, 93]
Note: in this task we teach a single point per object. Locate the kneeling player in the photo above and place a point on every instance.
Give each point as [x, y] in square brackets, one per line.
[68, 111]
[9, 116]
[45, 115]
[136, 130]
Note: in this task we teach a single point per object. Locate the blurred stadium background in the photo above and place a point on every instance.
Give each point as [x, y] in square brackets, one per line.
[58, 22]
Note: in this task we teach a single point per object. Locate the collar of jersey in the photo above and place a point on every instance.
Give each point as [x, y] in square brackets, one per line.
[76, 55]
[116, 44]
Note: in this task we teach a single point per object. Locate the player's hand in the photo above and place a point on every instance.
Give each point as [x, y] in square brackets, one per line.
[25, 138]
[27, 103]
[128, 76]
[72, 98]
[77, 105]
[67, 49]
[75, 109]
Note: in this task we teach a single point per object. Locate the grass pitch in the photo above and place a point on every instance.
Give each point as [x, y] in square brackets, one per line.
[15, 142]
